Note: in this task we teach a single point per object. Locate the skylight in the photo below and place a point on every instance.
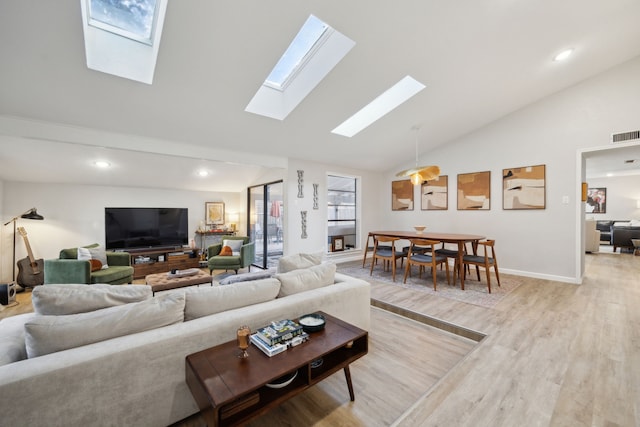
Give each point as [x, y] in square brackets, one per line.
[122, 37]
[302, 46]
[382, 105]
[133, 19]
[312, 54]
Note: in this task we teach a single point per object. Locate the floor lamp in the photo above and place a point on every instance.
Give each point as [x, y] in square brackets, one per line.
[30, 214]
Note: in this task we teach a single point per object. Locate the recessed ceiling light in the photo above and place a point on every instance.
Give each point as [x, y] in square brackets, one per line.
[103, 164]
[203, 172]
[563, 55]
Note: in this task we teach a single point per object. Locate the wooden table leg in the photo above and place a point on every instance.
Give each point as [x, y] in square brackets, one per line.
[347, 375]
[366, 249]
[461, 264]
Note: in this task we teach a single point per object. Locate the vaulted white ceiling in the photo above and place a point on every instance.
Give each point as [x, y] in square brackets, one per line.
[480, 61]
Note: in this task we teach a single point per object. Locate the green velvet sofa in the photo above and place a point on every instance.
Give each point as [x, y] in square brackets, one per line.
[247, 256]
[69, 269]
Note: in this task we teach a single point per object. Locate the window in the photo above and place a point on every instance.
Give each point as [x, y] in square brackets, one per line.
[342, 210]
[308, 39]
[133, 19]
[312, 54]
[122, 37]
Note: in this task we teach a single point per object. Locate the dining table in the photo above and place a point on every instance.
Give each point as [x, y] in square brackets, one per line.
[454, 238]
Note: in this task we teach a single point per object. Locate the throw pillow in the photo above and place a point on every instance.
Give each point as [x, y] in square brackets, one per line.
[59, 299]
[95, 265]
[94, 253]
[12, 346]
[226, 251]
[298, 261]
[210, 300]
[84, 254]
[235, 245]
[245, 277]
[49, 334]
[306, 279]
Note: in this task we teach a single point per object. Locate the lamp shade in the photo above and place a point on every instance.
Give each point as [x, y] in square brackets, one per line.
[32, 214]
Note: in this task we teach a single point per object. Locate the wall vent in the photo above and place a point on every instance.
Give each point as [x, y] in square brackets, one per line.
[625, 136]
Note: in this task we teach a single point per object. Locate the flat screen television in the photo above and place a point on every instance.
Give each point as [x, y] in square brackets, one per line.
[131, 228]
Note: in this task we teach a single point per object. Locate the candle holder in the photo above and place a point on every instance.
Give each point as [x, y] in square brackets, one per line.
[243, 335]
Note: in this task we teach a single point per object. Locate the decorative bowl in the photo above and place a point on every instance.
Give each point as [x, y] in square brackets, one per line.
[419, 228]
[313, 322]
[283, 381]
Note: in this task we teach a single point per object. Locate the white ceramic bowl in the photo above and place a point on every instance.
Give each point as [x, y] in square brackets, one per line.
[419, 228]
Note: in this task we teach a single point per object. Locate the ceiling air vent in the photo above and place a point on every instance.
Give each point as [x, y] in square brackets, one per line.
[625, 136]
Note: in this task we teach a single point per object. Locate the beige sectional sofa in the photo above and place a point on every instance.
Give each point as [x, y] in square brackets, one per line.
[138, 378]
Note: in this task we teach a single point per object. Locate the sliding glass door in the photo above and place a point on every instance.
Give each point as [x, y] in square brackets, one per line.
[265, 220]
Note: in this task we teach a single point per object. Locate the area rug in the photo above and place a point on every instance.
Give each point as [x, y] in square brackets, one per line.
[474, 292]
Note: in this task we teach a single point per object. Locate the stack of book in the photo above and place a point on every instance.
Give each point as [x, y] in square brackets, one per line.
[277, 337]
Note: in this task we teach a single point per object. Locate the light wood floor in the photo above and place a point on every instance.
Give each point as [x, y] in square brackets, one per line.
[554, 354]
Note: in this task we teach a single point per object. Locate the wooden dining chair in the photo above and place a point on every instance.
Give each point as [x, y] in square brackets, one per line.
[486, 260]
[387, 254]
[368, 247]
[423, 260]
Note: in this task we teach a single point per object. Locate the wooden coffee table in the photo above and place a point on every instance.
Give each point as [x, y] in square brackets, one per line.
[231, 391]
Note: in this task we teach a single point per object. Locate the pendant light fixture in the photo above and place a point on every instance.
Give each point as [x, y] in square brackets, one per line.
[419, 174]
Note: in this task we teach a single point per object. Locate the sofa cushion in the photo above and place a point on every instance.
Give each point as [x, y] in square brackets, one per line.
[298, 261]
[48, 334]
[12, 346]
[226, 251]
[306, 279]
[205, 301]
[60, 299]
[114, 275]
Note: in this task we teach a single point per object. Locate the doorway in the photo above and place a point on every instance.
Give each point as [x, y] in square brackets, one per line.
[265, 220]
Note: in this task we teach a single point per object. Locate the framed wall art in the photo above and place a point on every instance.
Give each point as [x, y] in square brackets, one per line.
[337, 243]
[434, 194]
[401, 195]
[214, 213]
[596, 200]
[474, 191]
[524, 188]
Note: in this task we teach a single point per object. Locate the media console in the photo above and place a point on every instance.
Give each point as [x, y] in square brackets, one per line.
[161, 260]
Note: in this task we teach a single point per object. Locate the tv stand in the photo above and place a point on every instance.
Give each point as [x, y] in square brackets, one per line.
[162, 259]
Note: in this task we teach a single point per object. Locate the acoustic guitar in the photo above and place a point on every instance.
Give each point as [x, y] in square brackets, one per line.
[30, 270]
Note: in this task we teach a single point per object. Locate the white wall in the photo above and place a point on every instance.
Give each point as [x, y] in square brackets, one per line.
[539, 243]
[623, 192]
[316, 241]
[3, 236]
[74, 214]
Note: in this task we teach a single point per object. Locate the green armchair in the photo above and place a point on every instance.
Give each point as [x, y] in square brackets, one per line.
[247, 256]
[69, 269]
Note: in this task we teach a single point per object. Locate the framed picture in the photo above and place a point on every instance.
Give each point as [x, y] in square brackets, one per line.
[434, 194]
[474, 191]
[401, 195]
[524, 188]
[214, 213]
[596, 200]
[337, 243]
